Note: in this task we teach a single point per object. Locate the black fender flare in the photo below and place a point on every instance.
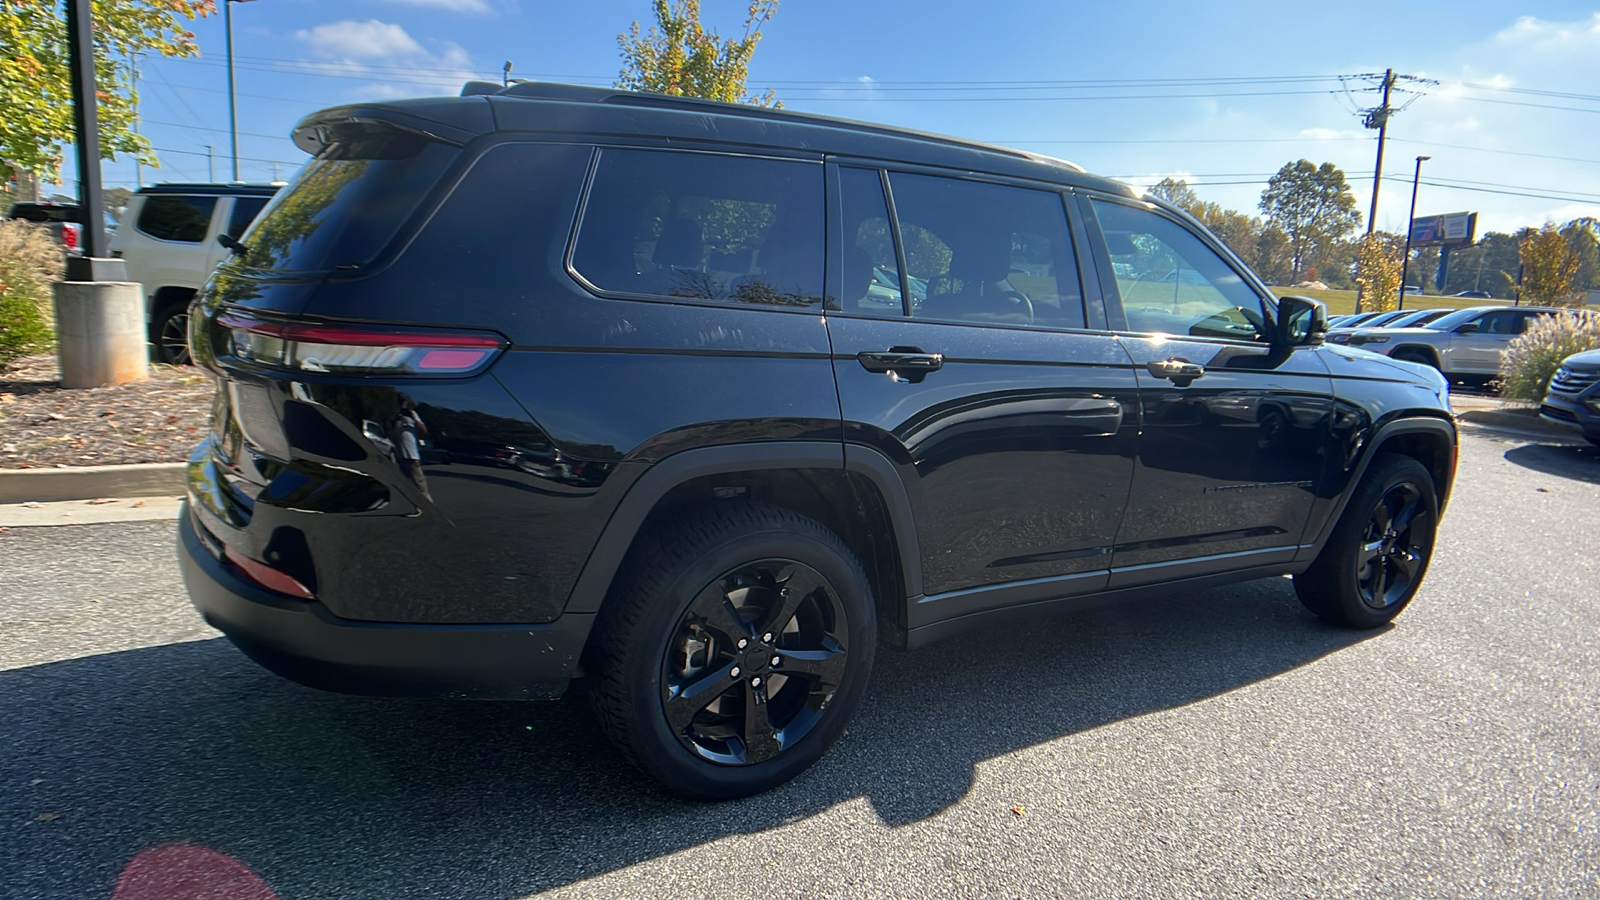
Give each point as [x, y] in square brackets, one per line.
[1414, 424]
[594, 581]
[1428, 351]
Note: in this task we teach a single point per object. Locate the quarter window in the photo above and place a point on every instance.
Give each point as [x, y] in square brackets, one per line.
[1171, 282]
[704, 227]
[981, 252]
[871, 274]
[175, 218]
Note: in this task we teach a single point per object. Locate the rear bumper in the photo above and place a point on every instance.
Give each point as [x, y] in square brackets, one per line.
[302, 641]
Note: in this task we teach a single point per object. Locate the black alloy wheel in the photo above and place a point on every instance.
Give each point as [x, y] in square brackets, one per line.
[732, 650]
[1378, 553]
[757, 657]
[1393, 548]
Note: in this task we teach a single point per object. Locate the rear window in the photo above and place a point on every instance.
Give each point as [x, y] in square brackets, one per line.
[704, 227]
[31, 213]
[172, 217]
[341, 212]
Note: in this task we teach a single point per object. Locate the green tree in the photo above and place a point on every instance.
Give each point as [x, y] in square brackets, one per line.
[35, 81]
[1177, 192]
[1583, 236]
[1378, 271]
[679, 57]
[1314, 207]
[1549, 268]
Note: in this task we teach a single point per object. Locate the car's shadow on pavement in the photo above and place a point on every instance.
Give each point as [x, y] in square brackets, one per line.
[1577, 463]
[333, 796]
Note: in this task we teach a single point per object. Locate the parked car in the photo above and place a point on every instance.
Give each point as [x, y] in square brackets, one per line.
[1475, 295]
[748, 469]
[1400, 319]
[1465, 345]
[172, 241]
[1573, 399]
[63, 220]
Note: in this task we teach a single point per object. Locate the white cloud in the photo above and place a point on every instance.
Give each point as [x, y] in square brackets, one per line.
[1549, 37]
[350, 40]
[477, 7]
[1330, 134]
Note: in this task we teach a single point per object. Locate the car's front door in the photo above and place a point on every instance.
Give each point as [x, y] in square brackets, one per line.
[1233, 432]
[1476, 350]
[961, 354]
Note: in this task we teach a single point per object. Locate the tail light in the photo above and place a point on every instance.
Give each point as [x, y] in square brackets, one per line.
[69, 235]
[267, 576]
[374, 349]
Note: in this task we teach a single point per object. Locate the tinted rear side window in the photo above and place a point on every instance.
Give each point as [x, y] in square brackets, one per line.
[704, 227]
[244, 212]
[341, 212]
[176, 218]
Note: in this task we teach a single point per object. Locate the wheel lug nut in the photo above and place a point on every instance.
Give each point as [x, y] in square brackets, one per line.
[755, 682]
[743, 643]
[734, 672]
[777, 660]
[766, 638]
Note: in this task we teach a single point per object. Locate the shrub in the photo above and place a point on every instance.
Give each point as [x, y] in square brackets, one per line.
[1531, 359]
[30, 261]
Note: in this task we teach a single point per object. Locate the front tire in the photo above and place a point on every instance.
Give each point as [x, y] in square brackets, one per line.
[1379, 551]
[169, 334]
[732, 651]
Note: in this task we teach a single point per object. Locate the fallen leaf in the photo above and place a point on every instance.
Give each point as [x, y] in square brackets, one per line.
[46, 817]
[101, 501]
[1019, 811]
[57, 416]
[8, 398]
[138, 504]
[33, 504]
[1543, 490]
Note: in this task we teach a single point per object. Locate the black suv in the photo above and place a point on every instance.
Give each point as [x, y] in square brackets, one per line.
[702, 402]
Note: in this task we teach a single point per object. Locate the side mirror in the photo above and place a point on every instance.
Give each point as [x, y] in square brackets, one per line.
[1301, 321]
[1467, 328]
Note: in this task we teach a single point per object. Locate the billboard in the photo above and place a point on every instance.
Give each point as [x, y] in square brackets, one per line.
[1449, 230]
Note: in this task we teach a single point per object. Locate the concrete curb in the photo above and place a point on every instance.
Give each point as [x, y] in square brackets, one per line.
[91, 482]
[1523, 421]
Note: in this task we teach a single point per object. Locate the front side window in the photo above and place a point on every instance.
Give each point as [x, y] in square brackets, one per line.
[245, 210]
[704, 227]
[981, 252]
[170, 217]
[1171, 282]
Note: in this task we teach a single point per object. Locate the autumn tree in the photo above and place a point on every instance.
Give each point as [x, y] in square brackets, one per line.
[1377, 272]
[677, 56]
[1177, 192]
[1549, 268]
[1583, 236]
[1314, 207]
[36, 86]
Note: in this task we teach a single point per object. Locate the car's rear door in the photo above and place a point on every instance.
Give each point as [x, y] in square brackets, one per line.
[1234, 433]
[962, 354]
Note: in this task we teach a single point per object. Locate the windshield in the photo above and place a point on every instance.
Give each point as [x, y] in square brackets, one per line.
[1448, 323]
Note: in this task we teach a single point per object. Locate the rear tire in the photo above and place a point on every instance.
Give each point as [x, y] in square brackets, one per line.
[1378, 553]
[169, 334]
[732, 650]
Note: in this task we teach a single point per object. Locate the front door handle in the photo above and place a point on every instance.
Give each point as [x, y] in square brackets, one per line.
[1179, 371]
[910, 361]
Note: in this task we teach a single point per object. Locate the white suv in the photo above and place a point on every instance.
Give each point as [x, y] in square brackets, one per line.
[170, 241]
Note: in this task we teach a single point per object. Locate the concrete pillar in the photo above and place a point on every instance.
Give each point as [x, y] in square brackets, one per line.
[100, 333]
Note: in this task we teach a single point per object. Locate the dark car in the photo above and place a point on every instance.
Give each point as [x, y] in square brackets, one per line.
[737, 394]
[1573, 399]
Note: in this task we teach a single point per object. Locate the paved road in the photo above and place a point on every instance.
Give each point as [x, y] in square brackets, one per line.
[1218, 745]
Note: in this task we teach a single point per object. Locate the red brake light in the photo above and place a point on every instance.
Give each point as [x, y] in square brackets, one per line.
[393, 349]
[69, 235]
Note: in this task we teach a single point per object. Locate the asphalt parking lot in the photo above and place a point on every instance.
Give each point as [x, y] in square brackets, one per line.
[1215, 745]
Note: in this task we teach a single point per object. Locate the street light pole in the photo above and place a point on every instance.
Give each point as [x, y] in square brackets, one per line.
[233, 101]
[1405, 259]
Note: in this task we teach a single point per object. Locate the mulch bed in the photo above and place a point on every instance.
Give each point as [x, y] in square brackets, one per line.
[43, 425]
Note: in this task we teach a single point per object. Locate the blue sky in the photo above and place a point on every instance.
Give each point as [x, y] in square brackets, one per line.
[1222, 93]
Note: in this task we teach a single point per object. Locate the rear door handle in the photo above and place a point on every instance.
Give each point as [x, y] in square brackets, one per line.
[1179, 371]
[904, 360]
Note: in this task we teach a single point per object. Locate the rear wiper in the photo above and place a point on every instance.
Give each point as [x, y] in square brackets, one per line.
[238, 248]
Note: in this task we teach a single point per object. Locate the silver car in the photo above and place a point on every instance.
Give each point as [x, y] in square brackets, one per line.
[1463, 345]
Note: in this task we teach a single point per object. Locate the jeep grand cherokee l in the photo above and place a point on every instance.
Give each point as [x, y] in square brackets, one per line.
[738, 394]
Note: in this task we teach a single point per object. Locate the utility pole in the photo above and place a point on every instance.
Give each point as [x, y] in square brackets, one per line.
[1405, 259]
[1379, 119]
[211, 163]
[138, 166]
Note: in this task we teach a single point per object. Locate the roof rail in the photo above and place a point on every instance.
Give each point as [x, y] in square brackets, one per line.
[550, 90]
